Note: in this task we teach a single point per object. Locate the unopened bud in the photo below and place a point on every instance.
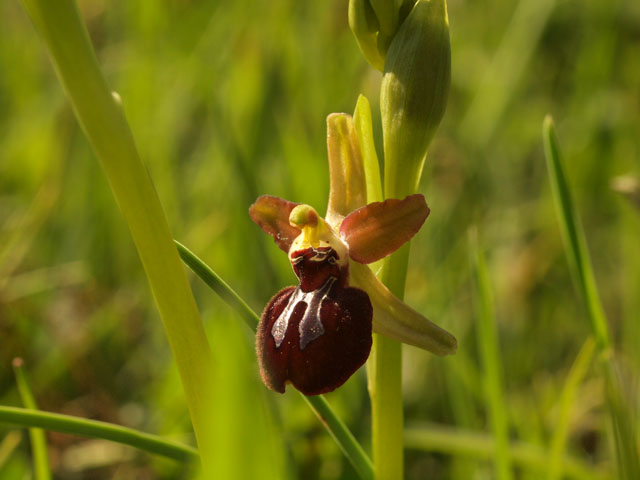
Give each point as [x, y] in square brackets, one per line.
[414, 93]
[364, 25]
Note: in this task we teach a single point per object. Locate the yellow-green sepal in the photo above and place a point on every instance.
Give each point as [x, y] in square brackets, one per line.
[364, 130]
[395, 319]
[347, 187]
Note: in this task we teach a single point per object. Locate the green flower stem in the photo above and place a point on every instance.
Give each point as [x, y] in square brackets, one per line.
[334, 425]
[104, 123]
[384, 366]
[36, 435]
[95, 429]
[385, 383]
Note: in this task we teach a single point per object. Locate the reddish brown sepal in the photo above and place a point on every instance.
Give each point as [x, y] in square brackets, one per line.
[272, 215]
[330, 358]
[380, 228]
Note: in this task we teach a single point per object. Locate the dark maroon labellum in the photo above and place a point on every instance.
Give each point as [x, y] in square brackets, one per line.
[315, 335]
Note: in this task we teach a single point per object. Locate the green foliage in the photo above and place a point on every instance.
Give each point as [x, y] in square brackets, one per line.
[228, 101]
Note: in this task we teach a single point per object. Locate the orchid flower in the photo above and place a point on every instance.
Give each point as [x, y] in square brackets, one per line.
[317, 334]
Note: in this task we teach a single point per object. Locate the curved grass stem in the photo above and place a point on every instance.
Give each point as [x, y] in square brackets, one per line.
[96, 429]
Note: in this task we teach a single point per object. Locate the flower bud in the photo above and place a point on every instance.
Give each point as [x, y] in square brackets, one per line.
[414, 91]
[364, 25]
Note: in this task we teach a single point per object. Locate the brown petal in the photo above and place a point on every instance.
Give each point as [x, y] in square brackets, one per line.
[378, 229]
[272, 215]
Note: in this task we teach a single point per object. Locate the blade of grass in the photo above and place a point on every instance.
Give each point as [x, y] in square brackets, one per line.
[8, 445]
[480, 446]
[490, 358]
[218, 285]
[623, 419]
[102, 118]
[36, 435]
[96, 429]
[334, 425]
[342, 435]
[573, 237]
[561, 431]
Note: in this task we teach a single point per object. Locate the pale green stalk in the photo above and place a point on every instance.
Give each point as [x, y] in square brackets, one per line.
[490, 359]
[385, 383]
[413, 97]
[384, 351]
[334, 425]
[384, 367]
[36, 435]
[96, 429]
[102, 119]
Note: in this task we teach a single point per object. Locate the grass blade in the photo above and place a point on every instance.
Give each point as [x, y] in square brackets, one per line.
[334, 425]
[96, 429]
[218, 285]
[573, 236]
[467, 443]
[8, 445]
[560, 434]
[342, 435]
[490, 358]
[102, 118]
[623, 420]
[36, 435]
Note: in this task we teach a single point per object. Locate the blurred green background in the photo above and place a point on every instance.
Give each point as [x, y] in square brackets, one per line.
[227, 101]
